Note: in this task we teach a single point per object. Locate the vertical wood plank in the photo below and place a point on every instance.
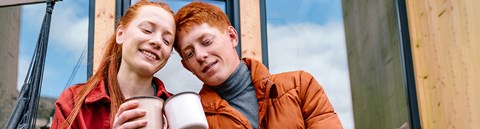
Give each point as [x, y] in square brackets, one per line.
[104, 28]
[9, 60]
[445, 40]
[250, 29]
[375, 64]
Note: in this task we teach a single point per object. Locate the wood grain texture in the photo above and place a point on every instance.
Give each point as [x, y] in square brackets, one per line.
[445, 40]
[375, 64]
[20, 2]
[9, 60]
[250, 29]
[104, 28]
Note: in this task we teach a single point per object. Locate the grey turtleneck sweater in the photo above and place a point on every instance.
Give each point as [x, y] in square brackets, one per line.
[239, 92]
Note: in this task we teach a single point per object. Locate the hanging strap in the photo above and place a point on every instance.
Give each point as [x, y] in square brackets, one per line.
[25, 112]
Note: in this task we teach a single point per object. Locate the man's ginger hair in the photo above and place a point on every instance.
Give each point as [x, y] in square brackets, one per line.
[197, 13]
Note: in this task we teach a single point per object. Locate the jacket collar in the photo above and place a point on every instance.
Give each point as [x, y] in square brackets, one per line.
[264, 87]
[264, 90]
[99, 93]
[161, 91]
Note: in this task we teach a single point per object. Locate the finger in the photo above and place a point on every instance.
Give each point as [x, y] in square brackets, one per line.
[134, 124]
[127, 106]
[165, 122]
[129, 115]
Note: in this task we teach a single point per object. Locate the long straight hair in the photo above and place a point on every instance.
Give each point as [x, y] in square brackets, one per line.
[108, 68]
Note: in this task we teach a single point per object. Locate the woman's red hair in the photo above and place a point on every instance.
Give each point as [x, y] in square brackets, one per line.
[109, 67]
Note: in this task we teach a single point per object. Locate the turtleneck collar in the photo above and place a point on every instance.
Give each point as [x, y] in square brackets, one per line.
[235, 83]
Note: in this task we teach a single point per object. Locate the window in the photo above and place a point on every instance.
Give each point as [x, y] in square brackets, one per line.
[309, 35]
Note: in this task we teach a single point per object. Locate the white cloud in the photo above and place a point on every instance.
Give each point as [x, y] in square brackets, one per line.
[68, 37]
[68, 28]
[23, 64]
[319, 50]
[177, 78]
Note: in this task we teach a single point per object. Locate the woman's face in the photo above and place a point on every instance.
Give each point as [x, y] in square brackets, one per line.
[147, 41]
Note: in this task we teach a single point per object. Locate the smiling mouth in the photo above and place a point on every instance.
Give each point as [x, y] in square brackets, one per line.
[208, 67]
[149, 54]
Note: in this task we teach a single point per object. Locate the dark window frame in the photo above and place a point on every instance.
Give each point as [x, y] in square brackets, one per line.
[407, 60]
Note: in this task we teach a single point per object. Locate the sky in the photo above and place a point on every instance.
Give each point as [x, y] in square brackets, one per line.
[302, 35]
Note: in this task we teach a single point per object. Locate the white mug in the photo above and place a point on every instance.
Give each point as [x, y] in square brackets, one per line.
[153, 105]
[185, 111]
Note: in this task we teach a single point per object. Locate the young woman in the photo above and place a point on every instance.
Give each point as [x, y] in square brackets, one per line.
[140, 46]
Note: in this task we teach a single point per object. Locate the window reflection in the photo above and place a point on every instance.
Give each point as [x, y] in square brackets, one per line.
[308, 35]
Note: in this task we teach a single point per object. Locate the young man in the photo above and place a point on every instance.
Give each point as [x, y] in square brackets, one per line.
[242, 93]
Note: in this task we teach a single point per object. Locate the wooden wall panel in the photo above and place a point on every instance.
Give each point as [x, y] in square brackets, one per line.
[104, 28]
[4, 3]
[375, 64]
[250, 29]
[9, 60]
[445, 37]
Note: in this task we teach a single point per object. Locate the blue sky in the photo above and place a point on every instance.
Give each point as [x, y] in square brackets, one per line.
[302, 35]
[282, 12]
[68, 34]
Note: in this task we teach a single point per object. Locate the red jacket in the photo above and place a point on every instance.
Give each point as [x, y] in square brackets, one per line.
[95, 112]
[292, 100]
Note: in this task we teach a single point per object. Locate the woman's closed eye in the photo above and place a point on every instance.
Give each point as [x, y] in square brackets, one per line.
[166, 42]
[146, 31]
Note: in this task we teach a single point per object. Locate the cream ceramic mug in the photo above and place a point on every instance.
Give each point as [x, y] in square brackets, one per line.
[185, 111]
[154, 106]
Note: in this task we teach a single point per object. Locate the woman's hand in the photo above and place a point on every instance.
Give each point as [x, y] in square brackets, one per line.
[125, 115]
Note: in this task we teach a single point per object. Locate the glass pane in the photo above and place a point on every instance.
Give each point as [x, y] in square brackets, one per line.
[68, 38]
[308, 35]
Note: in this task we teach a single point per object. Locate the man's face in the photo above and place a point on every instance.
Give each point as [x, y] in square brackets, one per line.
[209, 53]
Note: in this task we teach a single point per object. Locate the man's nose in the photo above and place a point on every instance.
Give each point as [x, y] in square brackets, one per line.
[201, 54]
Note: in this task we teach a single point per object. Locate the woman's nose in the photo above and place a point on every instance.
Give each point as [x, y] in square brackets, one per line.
[156, 43]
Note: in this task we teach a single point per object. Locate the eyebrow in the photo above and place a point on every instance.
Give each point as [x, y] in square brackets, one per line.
[146, 23]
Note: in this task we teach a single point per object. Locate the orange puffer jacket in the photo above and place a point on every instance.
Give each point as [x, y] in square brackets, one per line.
[292, 100]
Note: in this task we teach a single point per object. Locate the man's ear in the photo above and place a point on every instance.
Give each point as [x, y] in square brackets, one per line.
[185, 65]
[232, 34]
[119, 35]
